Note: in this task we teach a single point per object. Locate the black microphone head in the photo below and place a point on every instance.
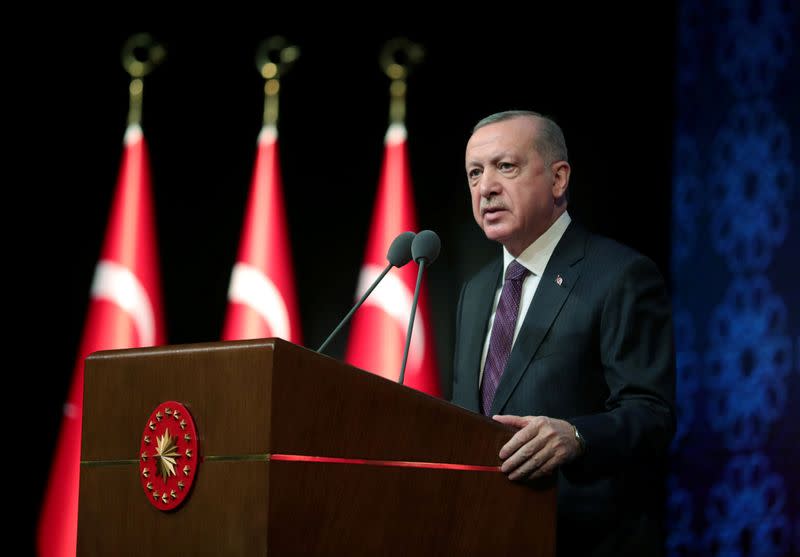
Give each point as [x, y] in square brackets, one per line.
[426, 245]
[400, 251]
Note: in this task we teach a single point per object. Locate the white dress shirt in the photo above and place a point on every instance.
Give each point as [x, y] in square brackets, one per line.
[534, 258]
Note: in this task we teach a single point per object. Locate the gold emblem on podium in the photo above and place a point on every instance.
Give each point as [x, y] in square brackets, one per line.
[168, 456]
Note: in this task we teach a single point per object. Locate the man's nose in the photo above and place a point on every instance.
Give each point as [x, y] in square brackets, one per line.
[489, 185]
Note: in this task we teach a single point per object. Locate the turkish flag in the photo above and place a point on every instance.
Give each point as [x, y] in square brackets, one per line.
[261, 295]
[378, 332]
[125, 311]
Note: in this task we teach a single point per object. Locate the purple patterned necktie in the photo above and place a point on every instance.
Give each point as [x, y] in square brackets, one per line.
[505, 320]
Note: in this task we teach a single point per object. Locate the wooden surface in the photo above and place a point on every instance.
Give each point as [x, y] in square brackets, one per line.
[226, 513]
[252, 399]
[243, 402]
[404, 511]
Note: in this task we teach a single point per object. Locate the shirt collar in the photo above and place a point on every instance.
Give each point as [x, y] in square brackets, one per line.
[535, 256]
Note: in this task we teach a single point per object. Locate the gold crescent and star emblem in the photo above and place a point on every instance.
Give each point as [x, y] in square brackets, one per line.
[168, 458]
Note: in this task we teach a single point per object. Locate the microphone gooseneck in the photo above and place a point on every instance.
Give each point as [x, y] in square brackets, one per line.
[400, 253]
[424, 249]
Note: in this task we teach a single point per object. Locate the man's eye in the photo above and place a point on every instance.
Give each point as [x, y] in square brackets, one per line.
[505, 166]
[474, 173]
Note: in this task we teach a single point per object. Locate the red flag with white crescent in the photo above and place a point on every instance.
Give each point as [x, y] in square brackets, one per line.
[261, 295]
[125, 311]
[378, 331]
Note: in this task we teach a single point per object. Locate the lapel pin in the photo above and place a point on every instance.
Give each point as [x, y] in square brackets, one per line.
[559, 280]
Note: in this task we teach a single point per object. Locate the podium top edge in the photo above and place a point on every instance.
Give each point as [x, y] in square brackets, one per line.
[272, 343]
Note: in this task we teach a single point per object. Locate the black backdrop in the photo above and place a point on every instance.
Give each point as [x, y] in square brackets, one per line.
[608, 82]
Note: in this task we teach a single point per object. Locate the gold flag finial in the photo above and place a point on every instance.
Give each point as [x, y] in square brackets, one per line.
[397, 58]
[140, 54]
[274, 57]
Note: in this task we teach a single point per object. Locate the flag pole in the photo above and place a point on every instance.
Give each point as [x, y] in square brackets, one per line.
[376, 340]
[394, 53]
[125, 309]
[397, 58]
[138, 68]
[274, 57]
[261, 295]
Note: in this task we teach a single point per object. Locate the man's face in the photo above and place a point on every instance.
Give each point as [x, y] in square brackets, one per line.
[513, 192]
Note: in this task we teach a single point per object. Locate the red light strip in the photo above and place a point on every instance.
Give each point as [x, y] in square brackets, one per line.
[390, 463]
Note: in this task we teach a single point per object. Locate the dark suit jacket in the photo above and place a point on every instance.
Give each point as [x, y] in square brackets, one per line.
[597, 351]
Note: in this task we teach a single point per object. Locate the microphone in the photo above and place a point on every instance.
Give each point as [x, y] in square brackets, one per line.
[424, 249]
[400, 252]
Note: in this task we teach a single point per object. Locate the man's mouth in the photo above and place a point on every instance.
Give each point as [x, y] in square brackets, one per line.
[490, 210]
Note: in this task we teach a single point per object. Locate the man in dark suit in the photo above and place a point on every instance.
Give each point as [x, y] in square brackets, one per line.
[568, 339]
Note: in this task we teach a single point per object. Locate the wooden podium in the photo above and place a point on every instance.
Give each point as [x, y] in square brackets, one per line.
[402, 473]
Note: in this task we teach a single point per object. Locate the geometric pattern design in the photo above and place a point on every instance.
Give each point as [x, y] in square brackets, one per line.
[688, 193]
[680, 515]
[752, 178]
[754, 44]
[736, 280]
[746, 511]
[688, 373]
[748, 363]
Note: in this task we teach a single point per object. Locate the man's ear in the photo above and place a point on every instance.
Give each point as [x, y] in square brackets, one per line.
[561, 170]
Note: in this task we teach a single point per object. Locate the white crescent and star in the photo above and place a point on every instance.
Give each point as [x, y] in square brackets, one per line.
[251, 287]
[395, 299]
[116, 283]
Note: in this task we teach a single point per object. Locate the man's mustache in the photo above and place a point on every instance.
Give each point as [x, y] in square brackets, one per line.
[492, 204]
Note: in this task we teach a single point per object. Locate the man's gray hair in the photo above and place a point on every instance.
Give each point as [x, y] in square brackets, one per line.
[549, 141]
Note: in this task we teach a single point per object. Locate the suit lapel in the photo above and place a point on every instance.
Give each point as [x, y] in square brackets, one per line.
[564, 264]
[477, 309]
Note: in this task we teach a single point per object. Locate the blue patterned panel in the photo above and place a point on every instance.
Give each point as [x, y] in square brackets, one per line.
[748, 363]
[746, 511]
[688, 370]
[680, 513]
[686, 199]
[754, 44]
[752, 178]
[735, 487]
